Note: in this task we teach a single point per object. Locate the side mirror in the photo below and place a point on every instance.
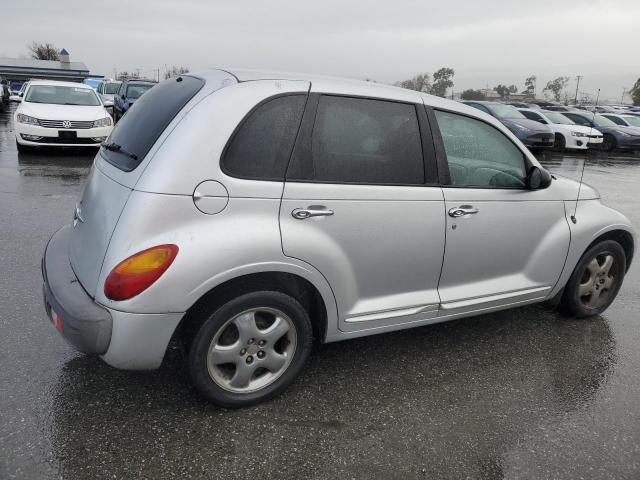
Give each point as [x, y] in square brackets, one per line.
[21, 94]
[538, 178]
[123, 96]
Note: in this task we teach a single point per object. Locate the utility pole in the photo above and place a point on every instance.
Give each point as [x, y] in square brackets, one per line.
[575, 100]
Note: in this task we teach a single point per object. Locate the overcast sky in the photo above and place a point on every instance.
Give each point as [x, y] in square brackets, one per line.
[486, 42]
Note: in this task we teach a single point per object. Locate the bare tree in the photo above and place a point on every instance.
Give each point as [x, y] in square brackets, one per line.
[175, 72]
[43, 51]
[420, 83]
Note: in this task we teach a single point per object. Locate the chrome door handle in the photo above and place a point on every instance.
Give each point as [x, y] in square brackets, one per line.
[313, 211]
[462, 210]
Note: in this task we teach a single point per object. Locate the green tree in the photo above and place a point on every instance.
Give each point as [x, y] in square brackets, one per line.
[419, 83]
[555, 87]
[513, 89]
[502, 90]
[635, 92]
[43, 51]
[472, 95]
[442, 80]
[530, 85]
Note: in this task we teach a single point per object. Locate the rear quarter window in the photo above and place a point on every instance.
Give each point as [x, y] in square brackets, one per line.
[145, 121]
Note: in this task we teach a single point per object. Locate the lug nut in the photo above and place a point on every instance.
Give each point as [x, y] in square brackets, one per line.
[243, 351]
[260, 354]
[249, 359]
[251, 340]
[262, 343]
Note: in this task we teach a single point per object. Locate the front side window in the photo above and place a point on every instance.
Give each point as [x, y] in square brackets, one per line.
[479, 155]
[615, 119]
[358, 140]
[262, 145]
[62, 95]
[578, 119]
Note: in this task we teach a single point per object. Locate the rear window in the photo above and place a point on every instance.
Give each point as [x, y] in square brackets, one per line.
[137, 131]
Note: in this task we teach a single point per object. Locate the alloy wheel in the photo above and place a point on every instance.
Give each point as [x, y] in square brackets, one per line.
[598, 280]
[252, 350]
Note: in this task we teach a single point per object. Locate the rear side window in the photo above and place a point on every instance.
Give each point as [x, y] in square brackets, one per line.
[145, 121]
[261, 147]
[358, 140]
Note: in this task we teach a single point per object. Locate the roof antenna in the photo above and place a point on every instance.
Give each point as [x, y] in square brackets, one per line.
[584, 163]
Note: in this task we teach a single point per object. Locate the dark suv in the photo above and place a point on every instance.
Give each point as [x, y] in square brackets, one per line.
[130, 90]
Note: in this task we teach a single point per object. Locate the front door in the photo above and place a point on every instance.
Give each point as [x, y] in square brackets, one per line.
[357, 207]
[506, 244]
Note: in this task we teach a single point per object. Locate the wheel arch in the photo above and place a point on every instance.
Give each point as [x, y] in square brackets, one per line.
[293, 284]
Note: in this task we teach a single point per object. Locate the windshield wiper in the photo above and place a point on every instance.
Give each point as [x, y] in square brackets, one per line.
[114, 147]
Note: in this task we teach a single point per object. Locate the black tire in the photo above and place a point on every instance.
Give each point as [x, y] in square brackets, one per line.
[216, 324]
[609, 143]
[578, 306]
[560, 143]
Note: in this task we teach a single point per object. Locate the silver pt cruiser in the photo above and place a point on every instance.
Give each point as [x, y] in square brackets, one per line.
[245, 213]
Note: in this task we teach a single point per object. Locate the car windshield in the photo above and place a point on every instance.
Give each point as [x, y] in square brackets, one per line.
[559, 118]
[632, 120]
[111, 88]
[135, 90]
[505, 111]
[62, 95]
[601, 121]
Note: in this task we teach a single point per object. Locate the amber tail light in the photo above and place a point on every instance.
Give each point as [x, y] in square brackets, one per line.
[138, 272]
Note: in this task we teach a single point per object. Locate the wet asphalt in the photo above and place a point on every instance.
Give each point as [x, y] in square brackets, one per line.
[523, 393]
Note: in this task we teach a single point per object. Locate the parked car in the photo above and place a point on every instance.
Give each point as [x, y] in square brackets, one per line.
[130, 90]
[20, 94]
[568, 134]
[60, 114]
[533, 134]
[108, 91]
[4, 93]
[614, 136]
[626, 120]
[14, 87]
[246, 241]
[93, 82]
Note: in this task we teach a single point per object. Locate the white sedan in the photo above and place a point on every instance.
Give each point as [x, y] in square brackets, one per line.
[568, 135]
[60, 114]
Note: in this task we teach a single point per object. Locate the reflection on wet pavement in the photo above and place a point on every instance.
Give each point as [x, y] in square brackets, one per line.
[523, 393]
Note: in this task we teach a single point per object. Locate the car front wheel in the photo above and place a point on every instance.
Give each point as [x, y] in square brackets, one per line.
[596, 280]
[250, 349]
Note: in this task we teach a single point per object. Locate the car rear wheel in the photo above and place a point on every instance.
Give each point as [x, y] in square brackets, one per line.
[596, 280]
[609, 143]
[250, 349]
[560, 143]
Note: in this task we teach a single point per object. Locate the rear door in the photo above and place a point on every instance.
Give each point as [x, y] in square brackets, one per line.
[506, 244]
[360, 205]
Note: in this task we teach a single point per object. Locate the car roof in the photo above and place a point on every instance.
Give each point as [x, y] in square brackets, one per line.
[58, 83]
[343, 85]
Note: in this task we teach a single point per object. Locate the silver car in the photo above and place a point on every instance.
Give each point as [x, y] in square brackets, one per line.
[245, 214]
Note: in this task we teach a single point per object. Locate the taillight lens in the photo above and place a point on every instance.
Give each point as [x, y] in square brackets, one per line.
[138, 272]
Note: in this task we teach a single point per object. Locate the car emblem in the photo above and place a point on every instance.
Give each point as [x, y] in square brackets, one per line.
[77, 216]
[66, 124]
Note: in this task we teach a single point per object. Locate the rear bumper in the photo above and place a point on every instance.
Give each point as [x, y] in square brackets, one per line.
[131, 341]
[84, 324]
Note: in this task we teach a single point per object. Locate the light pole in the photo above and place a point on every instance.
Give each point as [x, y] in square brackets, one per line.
[575, 100]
